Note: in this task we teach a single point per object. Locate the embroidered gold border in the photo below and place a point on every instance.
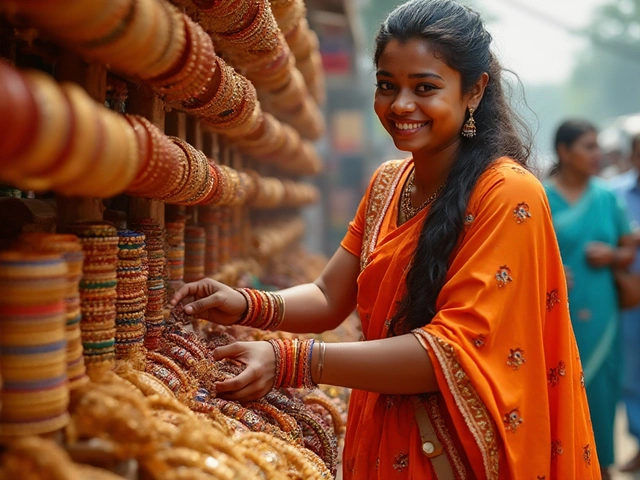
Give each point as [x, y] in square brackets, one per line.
[468, 401]
[380, 196]
[445, 436]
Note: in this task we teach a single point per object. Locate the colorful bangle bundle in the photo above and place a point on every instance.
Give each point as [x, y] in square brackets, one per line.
[156, 289]
[265, 310]
[62, 128]
[176, 252]
[293, 363]
[33, 343]
[132, 299]
[194, 254]
[71, 250]
[98, 293]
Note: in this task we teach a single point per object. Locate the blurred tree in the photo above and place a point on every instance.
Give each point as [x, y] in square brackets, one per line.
[606, 80]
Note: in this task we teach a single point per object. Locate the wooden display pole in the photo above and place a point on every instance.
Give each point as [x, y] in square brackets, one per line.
[93, 78]
[193, 137]
[142, 101]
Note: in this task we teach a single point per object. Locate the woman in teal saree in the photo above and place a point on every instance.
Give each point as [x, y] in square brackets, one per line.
[593, 232]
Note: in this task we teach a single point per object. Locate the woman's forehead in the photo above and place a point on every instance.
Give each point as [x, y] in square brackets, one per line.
[413, 57]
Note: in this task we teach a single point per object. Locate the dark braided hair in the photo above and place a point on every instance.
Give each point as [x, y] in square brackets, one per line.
[457, 35]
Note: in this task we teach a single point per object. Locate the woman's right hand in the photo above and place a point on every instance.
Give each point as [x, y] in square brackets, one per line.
[211, 300]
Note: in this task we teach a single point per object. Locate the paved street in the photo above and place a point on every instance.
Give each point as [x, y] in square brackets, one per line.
[625, 447]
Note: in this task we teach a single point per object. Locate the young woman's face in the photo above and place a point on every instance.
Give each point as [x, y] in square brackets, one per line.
[584, 155]
[419, 98]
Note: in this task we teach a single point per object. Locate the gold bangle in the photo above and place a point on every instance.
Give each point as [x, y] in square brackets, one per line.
[320, 367]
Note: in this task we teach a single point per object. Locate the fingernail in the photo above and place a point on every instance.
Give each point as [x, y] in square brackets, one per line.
[188, 309]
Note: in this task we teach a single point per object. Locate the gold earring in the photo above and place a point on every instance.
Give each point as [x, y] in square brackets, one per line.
[469, 127]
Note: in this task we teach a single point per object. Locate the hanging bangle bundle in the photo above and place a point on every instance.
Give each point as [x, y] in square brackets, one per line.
[265, 310]
[293, 363]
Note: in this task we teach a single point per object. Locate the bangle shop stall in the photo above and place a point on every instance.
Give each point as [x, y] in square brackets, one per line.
[145, 144]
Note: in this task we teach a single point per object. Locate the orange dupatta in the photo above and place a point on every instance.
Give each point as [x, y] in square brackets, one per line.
[512, 403]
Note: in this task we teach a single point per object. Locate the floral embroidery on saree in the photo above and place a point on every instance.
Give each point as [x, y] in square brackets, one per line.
[468, 401]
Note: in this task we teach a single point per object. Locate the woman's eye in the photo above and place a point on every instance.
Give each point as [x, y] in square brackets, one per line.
[383, 85]
[425, 87]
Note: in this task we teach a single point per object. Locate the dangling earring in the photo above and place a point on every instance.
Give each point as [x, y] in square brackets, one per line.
[469, 127]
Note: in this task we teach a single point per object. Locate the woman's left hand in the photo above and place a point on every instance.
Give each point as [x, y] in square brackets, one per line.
[258, 377]
[600, 254]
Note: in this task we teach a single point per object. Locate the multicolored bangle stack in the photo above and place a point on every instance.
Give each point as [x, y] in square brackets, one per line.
[176, 252]
[33, 346]
[156, 289]
[194, 254]
[71, 250]
[98, 293]
[265, 310]
[132, 299]
[293, 363]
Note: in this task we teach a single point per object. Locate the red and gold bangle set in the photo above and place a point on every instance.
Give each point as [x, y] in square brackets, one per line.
[33, 343]
[155, 287]
[131, 303]
[125, 152]
[249, 35]
[265, 310]
[98, 293]
[293, 362]
[151, 40]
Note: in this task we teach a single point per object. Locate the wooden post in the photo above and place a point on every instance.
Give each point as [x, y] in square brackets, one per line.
[142, 101]
[93, 78]
[175, 124]
[193, 135]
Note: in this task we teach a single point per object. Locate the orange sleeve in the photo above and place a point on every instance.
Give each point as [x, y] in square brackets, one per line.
[502, 320]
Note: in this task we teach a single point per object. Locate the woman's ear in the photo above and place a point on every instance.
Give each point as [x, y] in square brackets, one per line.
[563, 151]
[477, 91]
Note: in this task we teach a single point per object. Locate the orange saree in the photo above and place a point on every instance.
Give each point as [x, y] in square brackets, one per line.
[512, 403]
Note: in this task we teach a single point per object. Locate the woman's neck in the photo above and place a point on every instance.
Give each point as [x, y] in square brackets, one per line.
[432, 169]
[572, 180]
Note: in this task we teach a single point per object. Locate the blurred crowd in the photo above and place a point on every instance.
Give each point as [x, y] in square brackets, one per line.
[594, 195]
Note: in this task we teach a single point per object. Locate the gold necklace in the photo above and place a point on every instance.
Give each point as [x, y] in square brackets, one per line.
[408, 210]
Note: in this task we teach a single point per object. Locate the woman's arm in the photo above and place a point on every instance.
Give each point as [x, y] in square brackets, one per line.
[396, 365]
[324, 304]
[309, 308]
[600, 254]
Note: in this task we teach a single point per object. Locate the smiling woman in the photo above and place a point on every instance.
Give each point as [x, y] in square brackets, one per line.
[469, 368]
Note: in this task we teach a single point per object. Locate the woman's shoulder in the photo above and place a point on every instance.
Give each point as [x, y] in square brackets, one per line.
[507, 179]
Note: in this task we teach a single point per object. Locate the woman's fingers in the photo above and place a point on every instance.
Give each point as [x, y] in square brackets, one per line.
[250, 393]
[228, 351]
[206, 303]
[186, 290]
[235, 384]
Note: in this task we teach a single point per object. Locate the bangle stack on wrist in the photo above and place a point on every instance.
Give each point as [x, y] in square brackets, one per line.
[265, 310]
[293, 363]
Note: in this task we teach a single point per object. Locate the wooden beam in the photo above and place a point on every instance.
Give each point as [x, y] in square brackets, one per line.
[142, 101]
[93, 78]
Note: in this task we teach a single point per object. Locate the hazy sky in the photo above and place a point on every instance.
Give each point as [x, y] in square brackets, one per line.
[537, 51]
